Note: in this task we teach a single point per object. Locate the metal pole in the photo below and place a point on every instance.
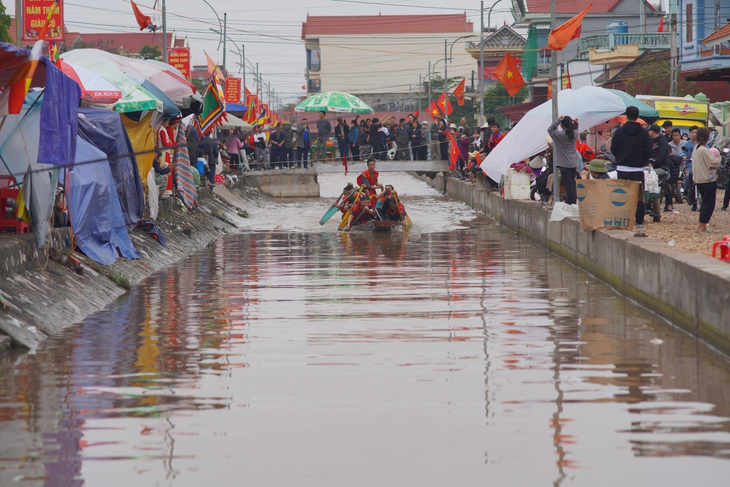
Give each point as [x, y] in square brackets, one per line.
[258, 81]
[164, 32]
[556, 89]
[225, 27]
[446, 85]
[19, 23]
[420, 83]
[243, 67]
[674, 64]
[429, 84]
[481, 65]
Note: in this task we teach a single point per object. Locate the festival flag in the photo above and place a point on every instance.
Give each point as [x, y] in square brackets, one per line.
[143, 21]
[261, 120]
[14, 93]
[550, 89]
[213, 110]
[459, 92]
[560, 37]
[509, 75]
[215, 71]
[433, 110]
[445, 104]
[248, 93]
[568, 83]
[453, 151]
[661, 25]
[184, 173]
[417, 114]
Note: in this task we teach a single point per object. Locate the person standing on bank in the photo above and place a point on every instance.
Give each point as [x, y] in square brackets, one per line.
[704, 163]
[631, 145]
[324, 129]
[342, 131]
[564, 154]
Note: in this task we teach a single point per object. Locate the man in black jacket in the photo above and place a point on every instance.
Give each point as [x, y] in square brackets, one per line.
[631, 145]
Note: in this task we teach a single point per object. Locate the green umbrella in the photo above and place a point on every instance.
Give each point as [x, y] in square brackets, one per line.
[333, 102]
[645, 111]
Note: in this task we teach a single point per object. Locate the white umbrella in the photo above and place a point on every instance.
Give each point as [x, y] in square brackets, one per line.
[234, 122]
[590, 105]
[94, 88]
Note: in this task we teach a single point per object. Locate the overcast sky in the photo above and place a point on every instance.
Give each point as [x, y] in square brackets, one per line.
[280, 60]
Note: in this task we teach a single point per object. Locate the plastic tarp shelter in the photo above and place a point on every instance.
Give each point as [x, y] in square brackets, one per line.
[590, 105]
[105, 130]
[30, 154]
[96, 215]
[142, 136]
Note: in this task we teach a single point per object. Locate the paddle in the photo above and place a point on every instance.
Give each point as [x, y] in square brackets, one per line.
[335, 207]
[343, 224]
[408, 218]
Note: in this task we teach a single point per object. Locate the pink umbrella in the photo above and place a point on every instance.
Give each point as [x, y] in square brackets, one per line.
[94, 88]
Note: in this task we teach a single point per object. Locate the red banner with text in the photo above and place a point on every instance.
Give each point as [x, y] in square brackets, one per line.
[179, 58]
[233, 90]
[35, 14]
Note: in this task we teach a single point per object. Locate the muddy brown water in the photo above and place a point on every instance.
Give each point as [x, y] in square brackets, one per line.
[459, 354]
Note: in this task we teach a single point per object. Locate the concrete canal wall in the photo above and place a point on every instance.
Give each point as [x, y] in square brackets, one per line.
[43, 296]
[285, 183]
[688, 289]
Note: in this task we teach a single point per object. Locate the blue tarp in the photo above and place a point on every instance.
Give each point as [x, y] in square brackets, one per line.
[96, 214]
[105, 131]
[235, 107]
[59, 114]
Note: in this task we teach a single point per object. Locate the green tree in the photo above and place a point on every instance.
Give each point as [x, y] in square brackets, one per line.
[4, 25]
[496, 96]
[150, 52]
[652, 78]
[201, 86]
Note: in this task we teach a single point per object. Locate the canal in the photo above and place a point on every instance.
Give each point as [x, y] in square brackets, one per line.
[290, 354]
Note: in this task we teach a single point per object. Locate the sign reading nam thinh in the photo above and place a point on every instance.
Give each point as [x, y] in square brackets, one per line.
[35, 14]
[179, 57]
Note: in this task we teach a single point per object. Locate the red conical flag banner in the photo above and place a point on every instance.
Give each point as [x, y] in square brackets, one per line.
[507, 73]
[459, 92]
[453, 151]
[433, 110]
[661, 25]
[550, 89]
[144, 21]
[417, 114]
[443, 99]
[560, 37]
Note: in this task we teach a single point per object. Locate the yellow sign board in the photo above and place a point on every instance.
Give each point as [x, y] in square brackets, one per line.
[682, 110]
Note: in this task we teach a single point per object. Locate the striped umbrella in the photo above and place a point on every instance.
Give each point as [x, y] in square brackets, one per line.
[333, 102]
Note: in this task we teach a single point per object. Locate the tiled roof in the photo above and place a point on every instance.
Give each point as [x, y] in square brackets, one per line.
[130, 42]
[385, 24]
[631, 71]
[575, 6]
[723, 31]
[504, 38]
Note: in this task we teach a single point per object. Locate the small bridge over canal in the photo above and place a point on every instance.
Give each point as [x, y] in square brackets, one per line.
[303, 183]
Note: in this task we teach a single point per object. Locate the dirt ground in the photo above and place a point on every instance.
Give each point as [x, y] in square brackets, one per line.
[682, 227]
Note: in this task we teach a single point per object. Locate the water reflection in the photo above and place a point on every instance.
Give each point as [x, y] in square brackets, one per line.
[433, 359]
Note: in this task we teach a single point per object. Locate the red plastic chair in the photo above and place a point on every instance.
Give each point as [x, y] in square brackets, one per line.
[9, 191]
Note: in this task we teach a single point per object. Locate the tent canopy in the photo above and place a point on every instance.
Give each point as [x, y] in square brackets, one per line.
[234, 122]
[590, 105]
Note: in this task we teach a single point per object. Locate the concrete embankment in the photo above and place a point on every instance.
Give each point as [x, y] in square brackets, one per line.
[45, 295]
[688, 289]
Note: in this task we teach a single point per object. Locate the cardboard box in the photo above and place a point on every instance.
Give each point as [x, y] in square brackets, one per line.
[607, 203]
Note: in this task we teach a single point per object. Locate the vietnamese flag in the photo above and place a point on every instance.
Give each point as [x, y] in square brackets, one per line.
[507, 73]
[560, 37]
[433, 110]
[453, 151]
[144, 21]
[445, 104]
[459, 92]
[417, 114]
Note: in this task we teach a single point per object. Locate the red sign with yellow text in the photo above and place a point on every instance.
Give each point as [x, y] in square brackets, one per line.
[35, 14]
[233, 90]
[179, 58]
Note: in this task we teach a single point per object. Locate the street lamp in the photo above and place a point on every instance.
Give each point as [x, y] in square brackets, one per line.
[220, 24]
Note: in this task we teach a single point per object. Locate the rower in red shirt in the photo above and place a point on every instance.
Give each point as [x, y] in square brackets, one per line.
[389, 207]
[369, 179]
[361, 212]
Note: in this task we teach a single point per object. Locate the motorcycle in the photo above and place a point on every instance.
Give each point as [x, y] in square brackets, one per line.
[723, 172]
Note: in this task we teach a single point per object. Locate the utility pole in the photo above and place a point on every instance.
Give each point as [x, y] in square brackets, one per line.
[19, 23]
[164, 32]
[481, 66]
[429, 84]
[420, 84]
[225, 27]
[258, 81]
[446, 85]
[243, 66]
[556, 89]
[674, 65]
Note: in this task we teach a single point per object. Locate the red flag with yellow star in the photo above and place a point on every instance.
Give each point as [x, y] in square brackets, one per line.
[509, 75]
[459, 92]
[433, 110]
[444, 104]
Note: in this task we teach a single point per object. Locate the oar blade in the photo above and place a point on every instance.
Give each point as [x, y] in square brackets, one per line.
[330, 213]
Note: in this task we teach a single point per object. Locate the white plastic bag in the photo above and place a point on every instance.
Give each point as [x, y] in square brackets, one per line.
[563, 210]
[153, 194]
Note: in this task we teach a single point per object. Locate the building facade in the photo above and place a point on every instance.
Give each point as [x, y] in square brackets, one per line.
[383, 54]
